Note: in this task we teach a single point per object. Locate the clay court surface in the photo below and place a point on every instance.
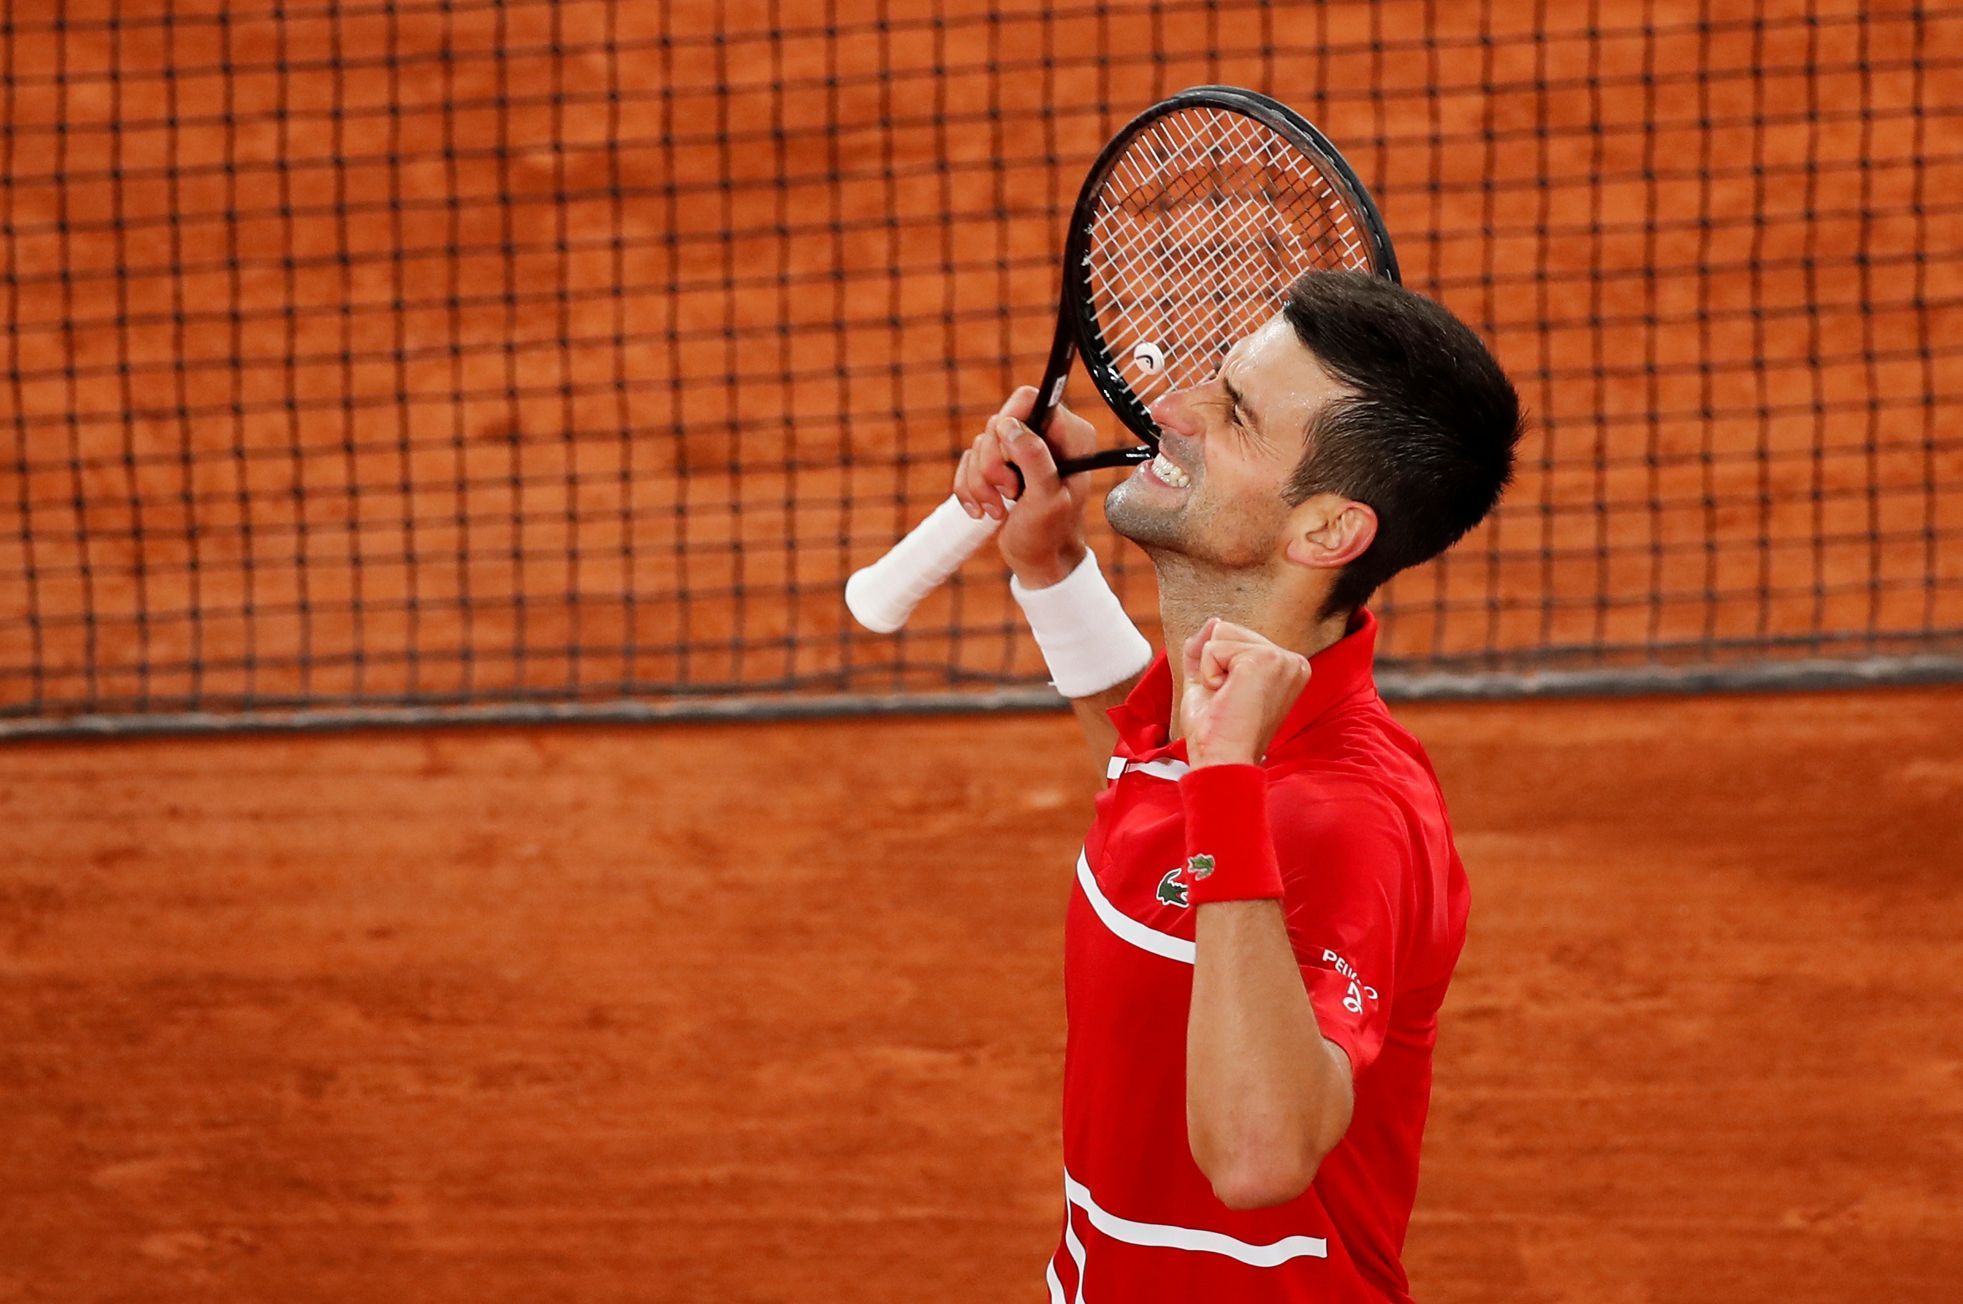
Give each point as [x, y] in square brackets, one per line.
[773, 1012]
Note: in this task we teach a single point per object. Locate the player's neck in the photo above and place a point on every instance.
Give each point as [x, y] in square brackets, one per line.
[1277, 608]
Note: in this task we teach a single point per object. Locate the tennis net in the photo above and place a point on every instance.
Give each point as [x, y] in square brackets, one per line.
[467, 359]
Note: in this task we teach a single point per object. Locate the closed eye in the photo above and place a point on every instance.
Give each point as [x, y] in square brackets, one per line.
[1231, 401]
[1237, 410]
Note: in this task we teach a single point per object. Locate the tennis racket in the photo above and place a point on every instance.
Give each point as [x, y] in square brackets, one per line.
[1192, 224]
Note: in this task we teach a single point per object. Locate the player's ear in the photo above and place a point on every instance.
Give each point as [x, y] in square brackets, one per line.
[1327, 531]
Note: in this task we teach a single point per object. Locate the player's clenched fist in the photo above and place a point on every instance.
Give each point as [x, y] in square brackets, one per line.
[1043, 539]
[1239, 688]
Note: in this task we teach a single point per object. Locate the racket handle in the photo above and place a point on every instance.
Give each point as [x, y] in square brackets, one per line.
[1110, 457]
[884, 594]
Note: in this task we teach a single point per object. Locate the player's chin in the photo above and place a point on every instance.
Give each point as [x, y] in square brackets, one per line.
[1147, 512]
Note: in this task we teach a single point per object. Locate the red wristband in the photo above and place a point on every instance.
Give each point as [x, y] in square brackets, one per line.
[1230, 851]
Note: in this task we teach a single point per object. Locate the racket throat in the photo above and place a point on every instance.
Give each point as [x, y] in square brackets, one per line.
[1110, 457]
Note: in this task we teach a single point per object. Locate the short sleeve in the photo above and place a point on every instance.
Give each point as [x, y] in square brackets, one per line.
[1345, 861]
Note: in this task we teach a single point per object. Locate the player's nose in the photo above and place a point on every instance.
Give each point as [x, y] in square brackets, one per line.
[1175, 411]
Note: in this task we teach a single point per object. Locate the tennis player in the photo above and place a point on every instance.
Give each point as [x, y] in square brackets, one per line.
[1268, 907]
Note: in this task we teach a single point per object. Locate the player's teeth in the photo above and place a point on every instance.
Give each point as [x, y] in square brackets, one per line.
[1169, 473]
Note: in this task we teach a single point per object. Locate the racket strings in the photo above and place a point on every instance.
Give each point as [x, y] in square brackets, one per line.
[1222, 232]
[1204, 222]
[1248, 146]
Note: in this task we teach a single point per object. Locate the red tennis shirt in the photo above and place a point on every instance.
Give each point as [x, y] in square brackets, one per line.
[1376, 909]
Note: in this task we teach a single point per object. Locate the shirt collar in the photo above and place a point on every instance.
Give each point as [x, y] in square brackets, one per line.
[1336, 673]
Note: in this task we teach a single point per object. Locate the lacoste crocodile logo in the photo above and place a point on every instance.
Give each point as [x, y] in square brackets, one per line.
[1171, 891]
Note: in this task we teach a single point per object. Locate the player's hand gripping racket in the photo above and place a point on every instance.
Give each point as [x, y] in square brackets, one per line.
[1192, 223]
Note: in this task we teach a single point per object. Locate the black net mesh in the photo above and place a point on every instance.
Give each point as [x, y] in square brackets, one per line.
[468, 355]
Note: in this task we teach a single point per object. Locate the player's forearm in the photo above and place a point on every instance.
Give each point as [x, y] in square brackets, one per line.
[1264, 1097]
[1094, 652]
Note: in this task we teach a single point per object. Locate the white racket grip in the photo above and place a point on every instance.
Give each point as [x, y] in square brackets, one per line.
[884, 594]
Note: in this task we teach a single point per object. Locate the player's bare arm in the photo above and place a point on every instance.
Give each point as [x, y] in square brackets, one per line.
[1266, 1096]
[1042, 539]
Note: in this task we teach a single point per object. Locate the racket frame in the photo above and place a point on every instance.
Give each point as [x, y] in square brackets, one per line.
[884, 594]
[1077, 332]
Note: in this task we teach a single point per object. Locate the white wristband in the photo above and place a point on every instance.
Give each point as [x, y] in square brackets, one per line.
[1088, 641]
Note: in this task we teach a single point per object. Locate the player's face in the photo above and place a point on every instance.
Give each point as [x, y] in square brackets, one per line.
[1215, 492]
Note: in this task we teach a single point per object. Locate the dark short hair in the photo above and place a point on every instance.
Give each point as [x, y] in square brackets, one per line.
[1424, 435]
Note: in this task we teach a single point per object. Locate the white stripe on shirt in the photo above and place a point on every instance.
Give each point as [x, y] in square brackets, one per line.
[1166, 767]
[1168, 1236]
[1127, 928]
